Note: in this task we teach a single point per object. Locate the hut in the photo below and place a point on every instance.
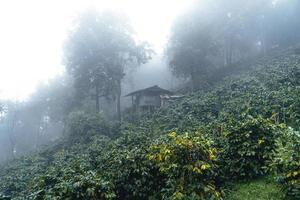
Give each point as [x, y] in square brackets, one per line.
[148, 99]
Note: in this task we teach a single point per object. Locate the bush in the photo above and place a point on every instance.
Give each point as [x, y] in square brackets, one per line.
[251, 147]
[288, 163]
[126, 165]
[291, 179]
[189, 164]
[2, 197]
[82, 124]
[72, 183]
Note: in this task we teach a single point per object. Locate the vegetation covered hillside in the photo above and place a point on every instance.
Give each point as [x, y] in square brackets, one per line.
[244, 128]
[269, 87]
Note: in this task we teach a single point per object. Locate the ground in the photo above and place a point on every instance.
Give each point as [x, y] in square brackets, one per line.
[260, 189]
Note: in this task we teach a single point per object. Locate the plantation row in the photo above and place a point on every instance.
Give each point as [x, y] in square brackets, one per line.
[245, 127]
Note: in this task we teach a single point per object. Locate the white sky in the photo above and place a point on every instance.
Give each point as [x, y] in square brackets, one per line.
[32, 34]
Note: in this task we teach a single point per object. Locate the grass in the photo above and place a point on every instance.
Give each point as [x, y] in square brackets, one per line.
[261, 189]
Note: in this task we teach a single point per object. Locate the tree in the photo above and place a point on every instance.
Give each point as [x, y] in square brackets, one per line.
[191, 45]
[236, 29]
[233, 30]
[25, 126]
[56, 98]
[283, 24]
[97, 52]
[10, 119]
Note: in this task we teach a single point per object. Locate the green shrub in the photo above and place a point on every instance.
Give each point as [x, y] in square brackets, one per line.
[251, 147]
[82, 124]
[73, 184]
[285, 144]
[189, 164]
[178, 166]
[291, 179]
[2, 197]
[288, 163]
[126, 165]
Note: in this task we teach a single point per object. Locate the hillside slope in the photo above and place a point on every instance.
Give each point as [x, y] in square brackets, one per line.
[267, 87]
[161, 156]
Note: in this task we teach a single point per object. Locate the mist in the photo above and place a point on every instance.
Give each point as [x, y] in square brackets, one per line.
[204, 43]
[204, 40]
[105, 74]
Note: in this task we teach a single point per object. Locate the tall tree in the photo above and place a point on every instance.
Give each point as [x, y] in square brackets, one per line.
[97, 52]
[10, 120]
[191, 45]
[235, 30]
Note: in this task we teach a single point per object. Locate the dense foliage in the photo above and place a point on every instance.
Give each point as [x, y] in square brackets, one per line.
[82, 124]
[270, 89]
[288, 162]
[244, 126]
[98, 52]
[213, 34]
[189, 164]
[251, 147]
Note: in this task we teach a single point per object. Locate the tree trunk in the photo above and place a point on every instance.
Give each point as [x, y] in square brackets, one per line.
[193, 81]
[264, 45]
[12, 138]
[12, 147]
[263, 37]
[38, 134]
[97, 99]
[228, 49]
[225, 55]
[119, 100]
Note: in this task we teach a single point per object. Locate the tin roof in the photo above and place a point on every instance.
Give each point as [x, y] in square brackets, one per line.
[154, 90]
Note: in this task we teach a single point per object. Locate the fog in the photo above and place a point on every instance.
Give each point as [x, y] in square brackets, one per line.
[35, 32]
[61, 57]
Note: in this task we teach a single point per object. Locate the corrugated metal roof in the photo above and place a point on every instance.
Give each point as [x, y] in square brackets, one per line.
[155, 90]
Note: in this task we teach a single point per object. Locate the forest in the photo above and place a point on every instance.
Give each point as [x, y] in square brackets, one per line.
[226, 126]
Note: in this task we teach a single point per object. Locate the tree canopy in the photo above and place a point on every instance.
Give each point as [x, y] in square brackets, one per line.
[99, 49]
[218, 34]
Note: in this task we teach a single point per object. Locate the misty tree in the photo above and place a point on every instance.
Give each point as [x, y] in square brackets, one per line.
[57, 98]
[98, 51]
[36, 118]
[258, 26]
[236, 29]
[9, 119]
[21, 123]
[25, 126]
[191, 45]
[44, 114]
[233, 30]
[282, 24]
